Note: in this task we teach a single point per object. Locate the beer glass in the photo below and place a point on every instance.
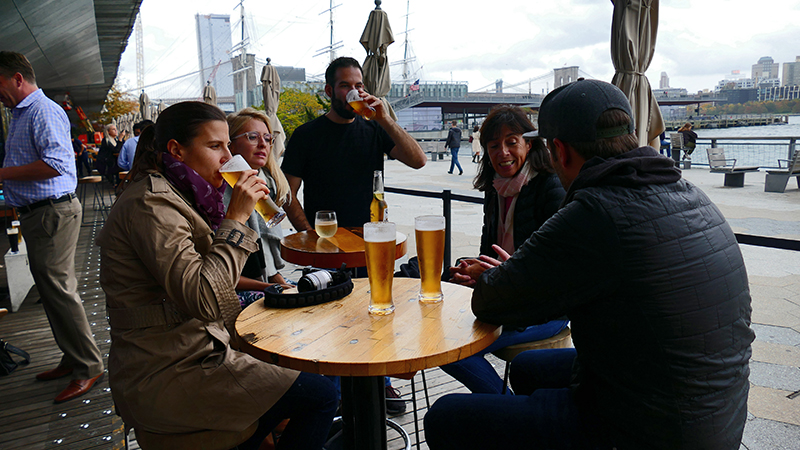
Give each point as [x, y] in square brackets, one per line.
[15, 224]
[13, 239]
[429, 231]
[379, 242]
[361, 107]
[325, 224]
[231, 170]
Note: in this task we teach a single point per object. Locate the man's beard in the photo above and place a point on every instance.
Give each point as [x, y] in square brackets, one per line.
[341, 108]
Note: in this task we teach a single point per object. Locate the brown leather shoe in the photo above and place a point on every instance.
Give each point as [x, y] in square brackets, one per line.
[52, 374]
[76, 388]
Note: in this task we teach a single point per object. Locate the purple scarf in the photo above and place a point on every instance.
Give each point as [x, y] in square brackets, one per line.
[207, 200]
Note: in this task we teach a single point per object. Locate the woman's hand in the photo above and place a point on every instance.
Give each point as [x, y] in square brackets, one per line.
[247, 191]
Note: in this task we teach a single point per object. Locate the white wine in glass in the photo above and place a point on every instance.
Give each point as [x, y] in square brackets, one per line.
[325, 224]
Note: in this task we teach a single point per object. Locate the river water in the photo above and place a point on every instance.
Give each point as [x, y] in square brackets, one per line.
[792, 129]
[764, 154]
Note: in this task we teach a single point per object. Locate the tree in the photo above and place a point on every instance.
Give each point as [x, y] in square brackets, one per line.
[117, 104]
[298, 107]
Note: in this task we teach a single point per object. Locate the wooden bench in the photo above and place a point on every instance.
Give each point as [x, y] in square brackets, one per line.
[778, 179]
[734, 175]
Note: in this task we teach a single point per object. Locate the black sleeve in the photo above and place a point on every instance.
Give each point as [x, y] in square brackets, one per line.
[489, 207]
[293, 156]
[569, 261]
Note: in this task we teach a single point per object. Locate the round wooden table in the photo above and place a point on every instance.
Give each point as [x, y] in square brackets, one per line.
[306, 248]
[342, 338]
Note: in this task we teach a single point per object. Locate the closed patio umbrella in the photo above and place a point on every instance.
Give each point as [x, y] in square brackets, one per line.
[271, 91]
[377, 36]
[144, 106]
[210, 94]
[633, 40]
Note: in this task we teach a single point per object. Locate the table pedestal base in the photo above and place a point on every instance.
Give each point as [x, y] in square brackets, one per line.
[364, 412]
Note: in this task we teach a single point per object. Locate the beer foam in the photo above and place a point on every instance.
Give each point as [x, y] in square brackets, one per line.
[235, 164]
[380, 232]
[429, 223]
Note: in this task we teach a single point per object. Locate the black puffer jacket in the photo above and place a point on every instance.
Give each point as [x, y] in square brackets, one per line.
[537, 201]
[651, 276]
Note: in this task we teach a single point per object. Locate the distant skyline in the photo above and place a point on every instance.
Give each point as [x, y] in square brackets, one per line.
[699, 42]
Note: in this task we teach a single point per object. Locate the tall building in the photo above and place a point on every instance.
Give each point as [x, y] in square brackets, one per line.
[791, 73]
[664, 83]
[765, 69]
[213, 52]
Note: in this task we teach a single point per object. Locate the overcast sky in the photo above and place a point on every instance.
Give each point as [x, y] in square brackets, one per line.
[699, 41]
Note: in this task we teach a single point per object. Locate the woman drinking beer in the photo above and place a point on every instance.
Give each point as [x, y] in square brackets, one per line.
[171, 257]
[521, 192]
[251, 136]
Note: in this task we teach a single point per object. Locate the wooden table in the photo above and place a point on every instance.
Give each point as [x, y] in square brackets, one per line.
[306, 248]
[342, 338]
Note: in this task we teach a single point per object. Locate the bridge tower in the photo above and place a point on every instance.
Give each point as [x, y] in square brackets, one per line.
[564, 75]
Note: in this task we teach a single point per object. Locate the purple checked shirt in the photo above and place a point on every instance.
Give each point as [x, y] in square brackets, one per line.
[39, 130]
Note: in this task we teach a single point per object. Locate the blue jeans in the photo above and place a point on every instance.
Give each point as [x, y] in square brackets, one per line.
[478, 375]
[310, 404]
[545, 417]
[454, 159]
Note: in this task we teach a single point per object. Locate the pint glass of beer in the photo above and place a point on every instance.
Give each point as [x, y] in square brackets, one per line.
[13, 239]
[429, 231]
[231, 170]
[16, 224]
[379, 242]
[356, 102]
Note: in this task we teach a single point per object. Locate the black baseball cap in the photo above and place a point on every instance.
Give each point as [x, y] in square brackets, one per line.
[570, 112]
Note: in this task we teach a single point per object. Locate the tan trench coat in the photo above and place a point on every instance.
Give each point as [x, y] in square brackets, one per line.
[171, 367]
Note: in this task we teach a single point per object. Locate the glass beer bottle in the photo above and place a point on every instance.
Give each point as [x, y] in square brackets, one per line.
[378, 209]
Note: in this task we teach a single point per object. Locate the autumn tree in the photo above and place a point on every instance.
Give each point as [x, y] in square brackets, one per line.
[117, 104]
[298, 107]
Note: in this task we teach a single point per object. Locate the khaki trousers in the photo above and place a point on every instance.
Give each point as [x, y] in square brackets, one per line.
[51, 235]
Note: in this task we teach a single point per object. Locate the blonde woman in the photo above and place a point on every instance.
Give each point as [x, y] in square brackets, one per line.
[106, 154]
[251, 136]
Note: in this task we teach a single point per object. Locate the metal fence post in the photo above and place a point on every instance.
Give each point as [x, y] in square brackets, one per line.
[446, 212]
[791, 148]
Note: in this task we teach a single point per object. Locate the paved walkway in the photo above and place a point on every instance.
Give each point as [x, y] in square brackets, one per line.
[774, 413]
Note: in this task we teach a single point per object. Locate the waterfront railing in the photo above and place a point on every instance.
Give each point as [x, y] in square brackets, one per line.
[762, 151]
[447, 197]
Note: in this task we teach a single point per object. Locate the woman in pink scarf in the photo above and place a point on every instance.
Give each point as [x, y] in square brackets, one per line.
[521, 193]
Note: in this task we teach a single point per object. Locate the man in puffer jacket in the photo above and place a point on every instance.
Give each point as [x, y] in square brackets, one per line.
[650, 275]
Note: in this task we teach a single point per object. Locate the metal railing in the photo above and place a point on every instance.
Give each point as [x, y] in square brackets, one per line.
[448, 197]
[748, 151]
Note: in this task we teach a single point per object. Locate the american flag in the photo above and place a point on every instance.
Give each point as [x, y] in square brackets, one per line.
[414, 87]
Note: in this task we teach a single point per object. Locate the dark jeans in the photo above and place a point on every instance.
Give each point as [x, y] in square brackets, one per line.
[478, 374]
[545, 417]
[310, 405]
[454, 159]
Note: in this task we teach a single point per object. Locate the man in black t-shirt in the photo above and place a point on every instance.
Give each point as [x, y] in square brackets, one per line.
[336, 154]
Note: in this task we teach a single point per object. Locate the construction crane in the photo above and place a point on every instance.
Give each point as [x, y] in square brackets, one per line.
[139, 52]
[213, 73]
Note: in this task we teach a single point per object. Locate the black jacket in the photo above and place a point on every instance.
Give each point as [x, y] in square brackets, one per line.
[652, 279]
[537, 201]
[453, 138]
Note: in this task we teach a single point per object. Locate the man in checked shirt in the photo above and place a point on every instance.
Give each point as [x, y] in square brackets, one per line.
[39, 180]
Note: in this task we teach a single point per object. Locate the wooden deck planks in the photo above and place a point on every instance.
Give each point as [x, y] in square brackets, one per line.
[28, 417]
[30, 420]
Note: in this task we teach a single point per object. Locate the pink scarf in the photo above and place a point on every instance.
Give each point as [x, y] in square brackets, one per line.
[509, 187]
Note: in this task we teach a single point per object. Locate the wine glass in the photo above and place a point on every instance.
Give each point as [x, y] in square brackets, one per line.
[325, 224]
